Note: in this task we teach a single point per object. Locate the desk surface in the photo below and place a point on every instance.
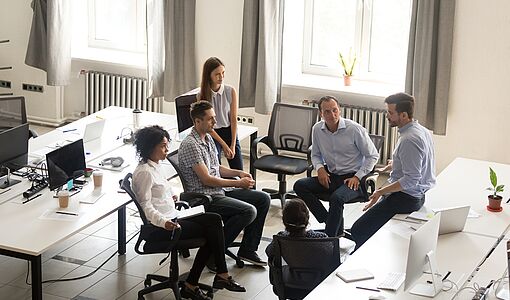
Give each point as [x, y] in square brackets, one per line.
[386, 252]
[464, 182]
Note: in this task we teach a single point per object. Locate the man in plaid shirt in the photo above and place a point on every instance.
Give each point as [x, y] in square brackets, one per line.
[239, 206]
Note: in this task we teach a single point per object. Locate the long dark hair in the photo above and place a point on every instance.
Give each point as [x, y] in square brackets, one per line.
[295, 217]
[205, 86]
[147, 138]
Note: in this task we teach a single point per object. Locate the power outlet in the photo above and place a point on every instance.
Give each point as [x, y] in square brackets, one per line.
[245, 119]
[33, 88]
[5, 84]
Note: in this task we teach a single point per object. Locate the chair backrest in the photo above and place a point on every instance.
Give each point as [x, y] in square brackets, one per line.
[182, 108]
[378, 141]
[12, 112]
[173, 158]
[290, 128]
[302, 263]
[126, 186]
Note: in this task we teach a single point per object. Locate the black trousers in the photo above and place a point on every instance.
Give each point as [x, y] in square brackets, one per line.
[206, 226]
[226, 135]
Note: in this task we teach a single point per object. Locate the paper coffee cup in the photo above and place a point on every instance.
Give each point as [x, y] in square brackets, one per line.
[98, 178]
[63, 198]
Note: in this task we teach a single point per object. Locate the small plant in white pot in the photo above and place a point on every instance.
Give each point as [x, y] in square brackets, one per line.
[348, 64]
[494, 198]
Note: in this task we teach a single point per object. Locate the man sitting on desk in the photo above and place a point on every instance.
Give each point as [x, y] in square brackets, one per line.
[342, 153]
[240, 207]
[412, 171]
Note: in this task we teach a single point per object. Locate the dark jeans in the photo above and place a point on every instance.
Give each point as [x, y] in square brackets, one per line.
[309, 189]
[382, 212]
[226, 134]
[206, 226]
[242, 209]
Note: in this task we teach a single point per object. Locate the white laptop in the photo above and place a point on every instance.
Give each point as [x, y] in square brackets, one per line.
[93, 131]
[452, 219]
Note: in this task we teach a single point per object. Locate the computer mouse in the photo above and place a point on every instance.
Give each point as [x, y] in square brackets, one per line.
[376, 297]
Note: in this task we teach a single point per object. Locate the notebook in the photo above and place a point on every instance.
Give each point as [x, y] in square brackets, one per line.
[355, 275]
[93, 131]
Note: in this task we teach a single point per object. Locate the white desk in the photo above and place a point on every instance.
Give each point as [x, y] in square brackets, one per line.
[34, 235]
[386, 251]
[463, 182]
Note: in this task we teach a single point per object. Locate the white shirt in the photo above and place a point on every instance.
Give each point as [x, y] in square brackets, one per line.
[221, 101]
[154, 193]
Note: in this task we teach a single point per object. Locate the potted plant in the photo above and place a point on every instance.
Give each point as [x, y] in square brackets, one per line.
[494, 198]
[348, 65]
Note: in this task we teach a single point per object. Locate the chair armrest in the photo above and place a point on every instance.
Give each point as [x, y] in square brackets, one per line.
[265, 141]
[181, 204]
[309, 159]
[368, 184]
[195, 199]
[32, 133]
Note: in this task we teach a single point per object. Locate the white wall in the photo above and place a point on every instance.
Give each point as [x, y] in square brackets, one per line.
[480, 83]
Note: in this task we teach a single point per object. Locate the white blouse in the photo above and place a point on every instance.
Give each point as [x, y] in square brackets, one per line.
[154, 193]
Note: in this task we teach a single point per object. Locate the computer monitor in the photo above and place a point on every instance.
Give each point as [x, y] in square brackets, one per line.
[13, 153]
[422, 256]
[504, 293]
[65, 163]
[12, 112]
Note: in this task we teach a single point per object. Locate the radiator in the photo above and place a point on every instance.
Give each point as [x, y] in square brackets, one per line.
[374, 120]
[105, 89]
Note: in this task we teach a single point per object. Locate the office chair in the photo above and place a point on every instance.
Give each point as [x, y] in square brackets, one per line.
[173, 158]
[290, 130]
[182, 108]
[171, 247]
[367, 183]
[300, 264]
[13, 113]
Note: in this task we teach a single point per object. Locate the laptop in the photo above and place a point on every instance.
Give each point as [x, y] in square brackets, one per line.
[504, 293]
[453, 219]
[93, 131]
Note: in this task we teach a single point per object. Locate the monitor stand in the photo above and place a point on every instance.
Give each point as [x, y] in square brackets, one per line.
[426, 289]
[504, 294]
[7, 181]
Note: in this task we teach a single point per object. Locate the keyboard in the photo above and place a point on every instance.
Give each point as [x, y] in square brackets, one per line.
[392, 281]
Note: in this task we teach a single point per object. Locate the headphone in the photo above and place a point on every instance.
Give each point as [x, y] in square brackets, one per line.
[114, 161]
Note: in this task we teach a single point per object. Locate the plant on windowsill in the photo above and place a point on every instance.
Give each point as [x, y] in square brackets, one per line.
[494, 198]
[348, 65]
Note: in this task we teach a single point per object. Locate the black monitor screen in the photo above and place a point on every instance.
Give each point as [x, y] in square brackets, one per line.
[14, 149]
[12, 112]
[65, 163]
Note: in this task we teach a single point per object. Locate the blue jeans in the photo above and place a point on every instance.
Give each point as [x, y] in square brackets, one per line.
[242, 209]
[382, 212]
[310, 190]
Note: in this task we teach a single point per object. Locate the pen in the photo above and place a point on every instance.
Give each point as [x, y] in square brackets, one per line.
[66, 213]
[5, 191]
[68, 130]
[508, 201]
[30, 199]
[368, 289]
[444, 278]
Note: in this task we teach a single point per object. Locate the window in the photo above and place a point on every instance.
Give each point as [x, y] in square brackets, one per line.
[376, 31]
[117, 24]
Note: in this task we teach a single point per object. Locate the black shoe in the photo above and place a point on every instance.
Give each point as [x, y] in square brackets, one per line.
[251, 257]
[196, 294]
[229, 284]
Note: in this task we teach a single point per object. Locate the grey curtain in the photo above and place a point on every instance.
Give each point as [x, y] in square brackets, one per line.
[429, 61]
[171, 47]
[260, 78]
[49, 44]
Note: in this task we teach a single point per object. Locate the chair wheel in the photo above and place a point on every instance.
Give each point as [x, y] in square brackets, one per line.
[147, 283]
[210, 294]
[239, 263]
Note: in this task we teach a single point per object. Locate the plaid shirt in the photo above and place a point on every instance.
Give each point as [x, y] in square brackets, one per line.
[194, 151]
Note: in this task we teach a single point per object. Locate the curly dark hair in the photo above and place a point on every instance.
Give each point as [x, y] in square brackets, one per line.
[147, 138]
[295, 217]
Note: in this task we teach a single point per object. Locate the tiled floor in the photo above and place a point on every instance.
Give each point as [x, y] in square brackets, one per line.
[122, 276]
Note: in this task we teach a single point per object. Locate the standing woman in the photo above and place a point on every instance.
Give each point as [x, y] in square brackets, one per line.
[224, 101]
[155, 196]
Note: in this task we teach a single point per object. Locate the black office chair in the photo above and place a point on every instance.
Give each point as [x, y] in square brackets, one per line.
[300, 264]
[13, 113]
[367, 183]
[171, 247]
[173, 158]
[182, 108]
[290, 131]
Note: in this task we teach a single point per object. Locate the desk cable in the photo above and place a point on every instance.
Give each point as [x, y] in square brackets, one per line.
[83, 276]
[495, 284]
